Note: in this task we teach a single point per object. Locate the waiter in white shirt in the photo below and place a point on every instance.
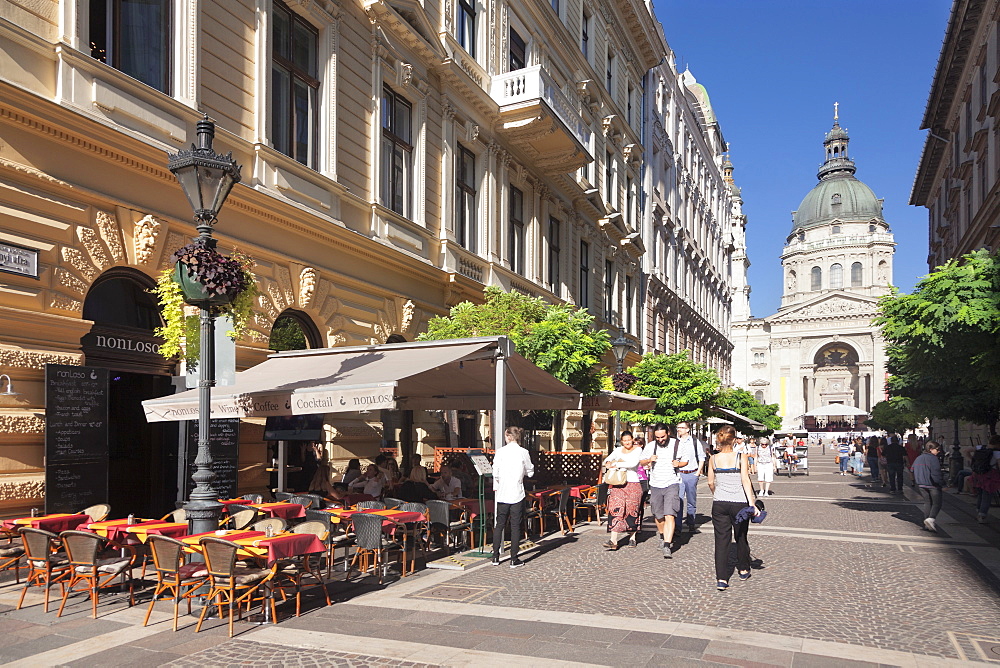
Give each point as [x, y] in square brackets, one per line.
[511, 464]
[692, 451]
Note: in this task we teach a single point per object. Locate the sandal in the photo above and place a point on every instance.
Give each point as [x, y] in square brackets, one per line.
[610, 546]
[631, 542]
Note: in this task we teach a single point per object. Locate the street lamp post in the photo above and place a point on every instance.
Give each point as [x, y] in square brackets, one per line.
[621, 347]
[206, 178]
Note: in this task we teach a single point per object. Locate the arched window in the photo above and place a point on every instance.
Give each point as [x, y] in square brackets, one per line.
[835, 199]
[817, 279]
[857, 275]
[294, 330]
[759, 396]
[836, 276]
[122, 297]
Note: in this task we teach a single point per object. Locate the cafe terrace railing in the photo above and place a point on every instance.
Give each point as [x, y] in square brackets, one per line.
[550, 467]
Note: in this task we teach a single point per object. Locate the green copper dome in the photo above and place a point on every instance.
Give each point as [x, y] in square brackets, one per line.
[838, 195]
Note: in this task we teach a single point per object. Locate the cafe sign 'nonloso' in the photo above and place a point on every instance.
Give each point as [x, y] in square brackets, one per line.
[303, 402]
[18, 260]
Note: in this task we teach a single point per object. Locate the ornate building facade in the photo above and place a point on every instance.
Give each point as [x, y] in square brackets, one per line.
[821, 347]
[959, 171]
[397, 158]
[692, 223]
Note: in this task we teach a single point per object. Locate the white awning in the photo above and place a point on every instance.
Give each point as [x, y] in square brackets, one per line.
[736, 417]
[608, 400]
[458, 374]
[836, 410]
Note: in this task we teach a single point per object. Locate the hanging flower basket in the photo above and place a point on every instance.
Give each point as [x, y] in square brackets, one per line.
[205, 278]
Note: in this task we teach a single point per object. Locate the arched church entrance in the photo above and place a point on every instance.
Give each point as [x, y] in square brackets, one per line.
[143, 463]
[835, 376]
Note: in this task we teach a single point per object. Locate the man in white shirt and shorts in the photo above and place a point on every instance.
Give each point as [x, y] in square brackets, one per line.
[660, 457]
[765, 466]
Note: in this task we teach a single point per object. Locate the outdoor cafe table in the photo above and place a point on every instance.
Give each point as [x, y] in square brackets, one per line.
[55, 522]
[257, 544]
[472, 506]
[338, 515]
[286, 511]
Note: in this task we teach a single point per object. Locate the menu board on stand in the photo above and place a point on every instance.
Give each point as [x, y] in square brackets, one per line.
[224, 439]
[76, 437]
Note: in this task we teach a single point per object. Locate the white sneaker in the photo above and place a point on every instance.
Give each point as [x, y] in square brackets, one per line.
[930, 524]
[981, 519]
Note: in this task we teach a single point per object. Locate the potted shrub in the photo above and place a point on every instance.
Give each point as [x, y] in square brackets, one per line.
[205, 278]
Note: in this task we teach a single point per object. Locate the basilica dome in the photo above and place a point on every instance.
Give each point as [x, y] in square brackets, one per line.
[838, 195]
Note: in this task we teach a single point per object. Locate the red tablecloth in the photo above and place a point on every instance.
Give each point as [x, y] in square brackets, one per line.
[283, 546]
[55, 523]
[144, 530]
[116, 530]
[472, 506]
[286, 511]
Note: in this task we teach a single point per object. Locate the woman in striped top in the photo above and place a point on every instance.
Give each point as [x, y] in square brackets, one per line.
[729, 480]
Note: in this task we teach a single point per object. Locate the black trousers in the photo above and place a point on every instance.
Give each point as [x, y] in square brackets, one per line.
[726, 529]
[512, 513]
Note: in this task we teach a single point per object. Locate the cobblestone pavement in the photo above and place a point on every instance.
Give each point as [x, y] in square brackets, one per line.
[843, 576]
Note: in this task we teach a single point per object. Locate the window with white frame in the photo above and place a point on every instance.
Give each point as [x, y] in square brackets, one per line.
[466, 22]
[836, 276]
[516, 238]
[294, 86]
[397, 153]
[134, 37]
[857, 275]
[465, 191]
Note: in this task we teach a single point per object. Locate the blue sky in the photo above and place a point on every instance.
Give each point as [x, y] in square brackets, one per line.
[774, 68]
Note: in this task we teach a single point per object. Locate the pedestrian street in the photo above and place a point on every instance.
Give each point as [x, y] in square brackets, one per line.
[844, 575]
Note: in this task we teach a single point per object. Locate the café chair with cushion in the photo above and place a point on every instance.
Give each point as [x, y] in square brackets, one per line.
[98, 512]
[230, 584]
[291, 571]
[595, 501]
[173, 577]
[370, 505]
[11, 552]
[242, 519]
[417, 533]
[441, 522]
[46, 566]
[392, 503]
[371, 542]
[276, 523]
[95, 562]
[179, 515]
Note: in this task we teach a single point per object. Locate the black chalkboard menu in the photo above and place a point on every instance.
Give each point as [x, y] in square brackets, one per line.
[224, 437]
[76, 437]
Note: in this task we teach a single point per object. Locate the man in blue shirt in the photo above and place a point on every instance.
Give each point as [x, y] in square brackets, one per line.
[691, 451]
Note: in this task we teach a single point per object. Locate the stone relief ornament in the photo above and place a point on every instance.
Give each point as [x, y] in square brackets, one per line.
[283, 277]
[307, 286]
[63, 302]
[95, 248]
[29, 359]
[108, 227]
[22, 424]
[147, 229]
[836, 307]
[76, 259]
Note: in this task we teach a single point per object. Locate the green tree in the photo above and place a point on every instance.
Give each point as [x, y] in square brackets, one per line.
[893, 416]
[682, 388]
[942, 342]
[287, 334]
[556, 337]
[739, 400]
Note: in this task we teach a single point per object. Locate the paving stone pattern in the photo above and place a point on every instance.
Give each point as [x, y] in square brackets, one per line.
[861, 593]
[246, 654]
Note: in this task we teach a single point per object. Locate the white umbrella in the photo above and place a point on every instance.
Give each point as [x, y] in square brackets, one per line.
[837, 410]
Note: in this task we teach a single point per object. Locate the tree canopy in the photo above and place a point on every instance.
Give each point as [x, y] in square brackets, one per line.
[739, 400]
[893, 417]
[682, 388]
[942, 342]
[557, 337]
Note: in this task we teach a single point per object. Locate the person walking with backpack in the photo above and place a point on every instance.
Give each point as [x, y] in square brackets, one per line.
[692, 451]
[664, 484]
[986, 476]
[928, 479]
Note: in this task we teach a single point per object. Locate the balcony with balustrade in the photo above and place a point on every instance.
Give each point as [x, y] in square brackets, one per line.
[540, 119]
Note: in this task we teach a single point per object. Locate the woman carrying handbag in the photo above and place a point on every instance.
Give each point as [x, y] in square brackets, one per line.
[624, 491]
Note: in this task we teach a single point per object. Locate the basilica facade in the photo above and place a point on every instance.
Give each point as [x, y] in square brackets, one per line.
[821, 347]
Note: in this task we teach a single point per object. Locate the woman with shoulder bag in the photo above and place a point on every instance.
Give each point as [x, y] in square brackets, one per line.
[624, 491]
[732, 492]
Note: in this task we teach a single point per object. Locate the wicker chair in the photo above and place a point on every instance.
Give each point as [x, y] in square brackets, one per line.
[242, 519]
[594, 502]
[276, 523]
[283, 496]
[370, 505]
[441, 522]
[417, 533]
[253, 498]
[179, 515]
[98, 512]
[230, 584]
[179, 580]
[89, 565]
[46, 566]
[293, 570]
[563, 508]
[303, 500]
[336, 537]
[392, 503]
[11, 553]
[371, 542]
